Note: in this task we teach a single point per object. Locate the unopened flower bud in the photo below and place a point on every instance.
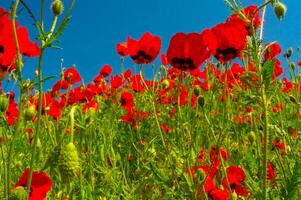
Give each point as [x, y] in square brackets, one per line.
[201, 101]
[30, 112]
[252, 137]
[57, 7]
[19, 193]
[289, 52]
[280, 10]
[165, 83]
[197, 90]
[292, 65]
[4, 101]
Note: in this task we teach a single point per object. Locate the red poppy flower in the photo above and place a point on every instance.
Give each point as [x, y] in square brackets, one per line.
[105, 71]
[90, 105]
[72, 76]
[40, 184]
[60, 85]
[287, 85]
[127, 100]
[271, 172]
[230, 40]
[249, 13]
[164, 60]
[272, 51]
[165, 128]
[122, 49]
[7, 44]
[11, 113]
[299, 63]
[236, 176]
[215, 155]
[145, 50]
[189, 51]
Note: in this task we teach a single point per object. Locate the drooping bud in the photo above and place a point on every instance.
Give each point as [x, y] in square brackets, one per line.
[280, 10]
[57, 7]
[290, 52]
[4, 101]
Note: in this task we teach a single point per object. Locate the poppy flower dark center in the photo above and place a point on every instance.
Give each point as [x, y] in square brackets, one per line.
[1, 49]
[183, 63]
[141, 57]
[226, 54]
[123, 102]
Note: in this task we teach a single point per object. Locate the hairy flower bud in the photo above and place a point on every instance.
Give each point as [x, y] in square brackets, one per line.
[57, 7]
[280, 10]
[69, 162]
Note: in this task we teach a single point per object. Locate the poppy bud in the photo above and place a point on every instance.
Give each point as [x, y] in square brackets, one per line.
[197, 90]
[292, 66]
[19, 193]
[69, 163]
[201, 101]
[252, 137]
[4, 101]
[30, 112]
[201, 174]
[280, 10]
[293, 99]
[289, 52]
[234, 196]
[165, 83]
[57, 7]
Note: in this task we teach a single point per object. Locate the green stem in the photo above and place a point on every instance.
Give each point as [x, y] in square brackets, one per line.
[266, 140]
[20, 104]
[37, 127]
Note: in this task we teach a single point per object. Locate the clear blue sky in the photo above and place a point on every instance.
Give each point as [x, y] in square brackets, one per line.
[97, 25]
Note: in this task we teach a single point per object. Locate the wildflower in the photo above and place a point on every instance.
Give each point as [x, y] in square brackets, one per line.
[72, 76]
[230, 40]
[40, 184]
[189, 51]
[7, 45]
[122, 49]
[145, 50]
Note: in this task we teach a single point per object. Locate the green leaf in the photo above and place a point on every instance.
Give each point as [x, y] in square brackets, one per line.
[294, 185]
[268, 71]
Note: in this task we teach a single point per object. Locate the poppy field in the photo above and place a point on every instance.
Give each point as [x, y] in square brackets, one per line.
[219, 120]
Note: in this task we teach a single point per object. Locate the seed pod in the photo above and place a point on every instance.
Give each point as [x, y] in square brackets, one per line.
[280, 10]
[57, 7]
[69, 163]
